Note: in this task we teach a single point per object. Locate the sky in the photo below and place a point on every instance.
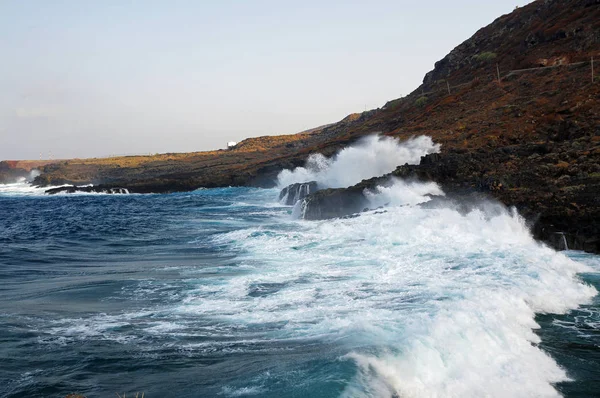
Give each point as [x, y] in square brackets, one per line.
[84, 78]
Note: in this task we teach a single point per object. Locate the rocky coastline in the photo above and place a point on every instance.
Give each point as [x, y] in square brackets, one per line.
[553, 223]
[69, 189]
[515, 108]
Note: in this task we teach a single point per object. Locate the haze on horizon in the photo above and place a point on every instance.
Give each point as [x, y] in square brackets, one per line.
[85, 79]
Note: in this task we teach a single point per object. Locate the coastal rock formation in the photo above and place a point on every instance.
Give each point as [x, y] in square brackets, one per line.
[333, 203]
[87, 189]
[459, 174]
[17, 170]
[298, 191]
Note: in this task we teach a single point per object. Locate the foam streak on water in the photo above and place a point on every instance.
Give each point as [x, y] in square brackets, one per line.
[221, 292]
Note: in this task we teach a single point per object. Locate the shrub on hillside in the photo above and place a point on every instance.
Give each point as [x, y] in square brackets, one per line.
[421, 101]
[485, 56]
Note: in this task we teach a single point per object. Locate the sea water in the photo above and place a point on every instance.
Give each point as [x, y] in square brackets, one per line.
[221, 292]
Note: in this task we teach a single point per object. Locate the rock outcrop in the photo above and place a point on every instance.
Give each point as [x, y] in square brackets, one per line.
[459, 174]
[87, 189]
[333, 203]
[298, 191]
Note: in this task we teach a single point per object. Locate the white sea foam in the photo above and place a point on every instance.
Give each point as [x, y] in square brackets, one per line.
[98, 327]
[431, 302]
[22, 188]
[371, 156]
[242, 392]
[425, 302]
[400, 192]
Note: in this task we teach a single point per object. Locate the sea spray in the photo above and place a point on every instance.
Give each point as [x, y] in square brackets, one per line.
[430, 302]
[341, 203]
[371, 156]
[22, 188]
[400, 192]
[33, 174]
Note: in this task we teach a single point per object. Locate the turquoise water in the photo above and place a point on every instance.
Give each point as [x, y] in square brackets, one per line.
[220, 292]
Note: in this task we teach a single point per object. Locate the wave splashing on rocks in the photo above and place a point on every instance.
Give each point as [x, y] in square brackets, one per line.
[371, 156]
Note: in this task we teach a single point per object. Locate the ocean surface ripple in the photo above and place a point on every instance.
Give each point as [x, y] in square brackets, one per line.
[221, 292]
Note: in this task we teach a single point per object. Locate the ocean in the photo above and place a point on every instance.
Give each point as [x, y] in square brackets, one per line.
[222, 292]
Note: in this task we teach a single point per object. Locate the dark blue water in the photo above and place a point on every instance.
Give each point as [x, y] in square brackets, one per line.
[573, 340]
[84, 279]
[219, 293]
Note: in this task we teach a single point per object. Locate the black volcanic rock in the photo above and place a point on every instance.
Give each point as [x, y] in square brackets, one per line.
[298, 191]
[87, 189]
[333, 203]
[458, 174]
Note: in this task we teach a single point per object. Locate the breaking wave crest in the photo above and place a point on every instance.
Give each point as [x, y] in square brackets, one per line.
[371, 156]
[400, 192]
[430, 302]
[441, 301]
[223, 287]
[21, 188]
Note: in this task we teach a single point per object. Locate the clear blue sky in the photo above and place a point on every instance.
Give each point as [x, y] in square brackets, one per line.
[92, 78]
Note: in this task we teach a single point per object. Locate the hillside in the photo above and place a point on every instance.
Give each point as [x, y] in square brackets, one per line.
[171, 172]
[514, 107]
[532, 139]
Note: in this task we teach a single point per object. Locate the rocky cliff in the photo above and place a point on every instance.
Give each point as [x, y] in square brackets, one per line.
[517, 113]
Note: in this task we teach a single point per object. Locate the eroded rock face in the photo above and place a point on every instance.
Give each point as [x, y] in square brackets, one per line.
[298, 191]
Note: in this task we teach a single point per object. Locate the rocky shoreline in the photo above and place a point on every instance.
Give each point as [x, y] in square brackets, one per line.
[515, 108]
[69, 189]
[552, 223]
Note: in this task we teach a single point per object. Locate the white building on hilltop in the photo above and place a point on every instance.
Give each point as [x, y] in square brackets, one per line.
[231, 144]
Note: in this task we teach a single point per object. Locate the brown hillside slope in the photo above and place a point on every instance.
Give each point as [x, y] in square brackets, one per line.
[531, 139]
[252, 162]
[173, 171]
